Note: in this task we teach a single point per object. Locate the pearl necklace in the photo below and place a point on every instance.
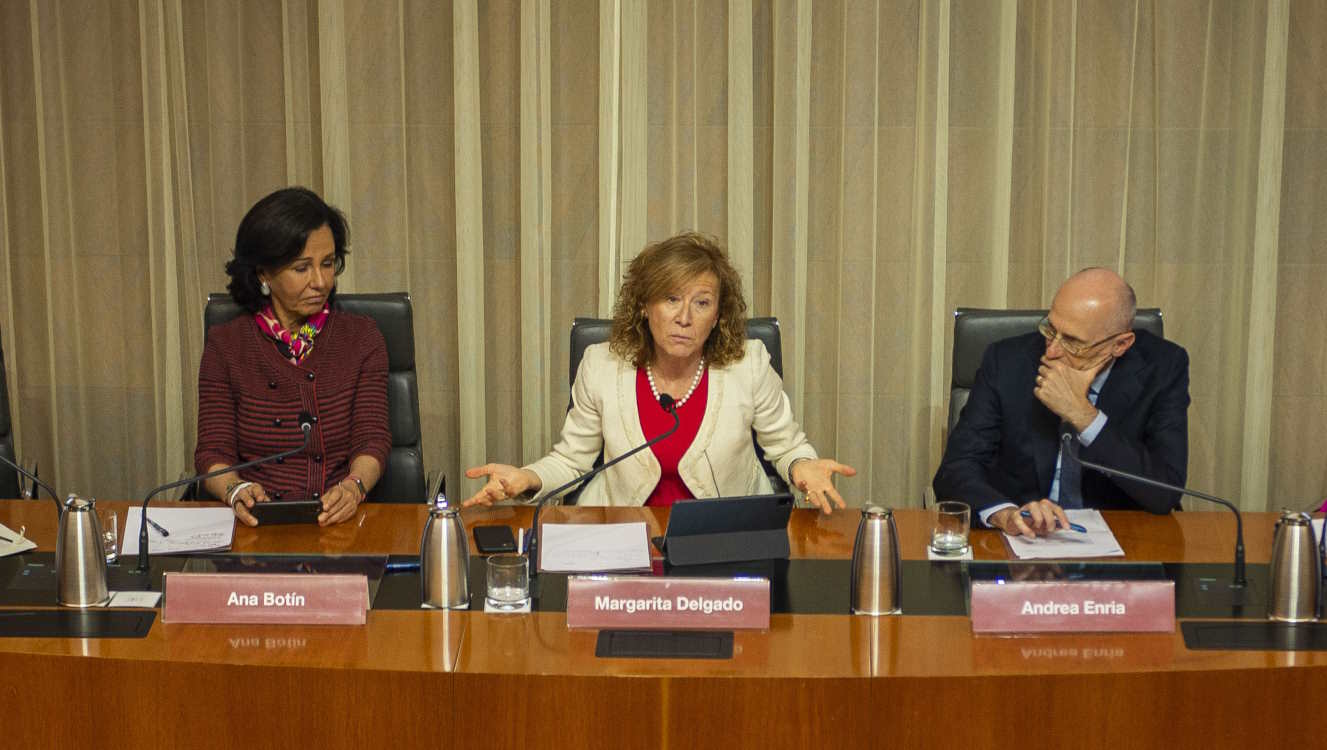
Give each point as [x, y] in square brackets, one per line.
[695, 381]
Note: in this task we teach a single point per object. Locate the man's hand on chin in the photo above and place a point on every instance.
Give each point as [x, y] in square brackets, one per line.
[1063, 389]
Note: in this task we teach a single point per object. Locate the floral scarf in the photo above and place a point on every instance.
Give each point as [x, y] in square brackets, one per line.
[293, 346]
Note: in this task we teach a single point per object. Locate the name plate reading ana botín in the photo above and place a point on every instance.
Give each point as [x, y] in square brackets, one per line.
[1077, 606]
[649, 602]
[271, 598]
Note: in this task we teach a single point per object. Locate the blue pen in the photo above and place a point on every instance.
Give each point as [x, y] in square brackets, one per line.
[1072, 526]
[402, 566]
[160, 529]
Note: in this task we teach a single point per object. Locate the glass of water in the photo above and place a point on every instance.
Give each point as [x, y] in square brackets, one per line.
[508, 582]
[110, 535]
[950, 524]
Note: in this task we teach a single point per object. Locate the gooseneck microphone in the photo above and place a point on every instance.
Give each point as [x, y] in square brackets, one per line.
[532, 545]
[55, 497]
[306, 427]
[1240, 581]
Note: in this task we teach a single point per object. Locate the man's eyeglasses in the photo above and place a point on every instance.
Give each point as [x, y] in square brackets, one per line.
[1073, 346]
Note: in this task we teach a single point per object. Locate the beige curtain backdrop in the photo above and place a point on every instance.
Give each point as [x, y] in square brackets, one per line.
[871, 164]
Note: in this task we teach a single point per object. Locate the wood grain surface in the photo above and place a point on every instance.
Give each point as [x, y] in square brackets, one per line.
[437, 679]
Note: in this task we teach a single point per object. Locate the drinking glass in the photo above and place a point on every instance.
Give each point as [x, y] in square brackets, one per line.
[950, 523]
[110, 536]
[508, 582]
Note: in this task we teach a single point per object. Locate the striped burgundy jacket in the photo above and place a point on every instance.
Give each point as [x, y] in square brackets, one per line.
[249, 398]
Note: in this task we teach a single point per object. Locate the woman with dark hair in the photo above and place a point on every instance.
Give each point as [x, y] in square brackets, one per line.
[679, 328]
[293, 352]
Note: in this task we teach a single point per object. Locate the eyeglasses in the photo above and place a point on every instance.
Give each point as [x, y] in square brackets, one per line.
[1072, 346]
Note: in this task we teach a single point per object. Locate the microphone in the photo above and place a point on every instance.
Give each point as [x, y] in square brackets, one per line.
[55, 496]
[532, 545]
[305, 425]
[1239, 581]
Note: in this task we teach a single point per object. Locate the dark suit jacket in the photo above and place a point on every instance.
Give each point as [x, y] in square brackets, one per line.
[1004, 446]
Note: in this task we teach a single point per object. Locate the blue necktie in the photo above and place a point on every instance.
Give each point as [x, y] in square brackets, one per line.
[1071, 472]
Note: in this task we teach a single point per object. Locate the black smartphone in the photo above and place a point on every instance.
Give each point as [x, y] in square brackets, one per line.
[287, 511]
[490, 539]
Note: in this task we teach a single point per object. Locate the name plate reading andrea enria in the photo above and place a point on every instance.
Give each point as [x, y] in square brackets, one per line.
[1078, 606]
[650, 602]
[273, 598]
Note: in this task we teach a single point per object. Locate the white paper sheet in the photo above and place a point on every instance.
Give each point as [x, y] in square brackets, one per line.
[191, 530]
[593, 547]
[16, 544]
[1099, 541]
[139, 599]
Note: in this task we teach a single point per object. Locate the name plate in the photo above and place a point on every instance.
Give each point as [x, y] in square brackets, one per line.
[273, 598]
[1078, 606]
[651, 602]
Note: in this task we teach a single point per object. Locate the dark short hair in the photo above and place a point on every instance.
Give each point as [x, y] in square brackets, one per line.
[273, 234]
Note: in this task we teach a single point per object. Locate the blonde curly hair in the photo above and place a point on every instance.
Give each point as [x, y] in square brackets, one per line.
[661, 269]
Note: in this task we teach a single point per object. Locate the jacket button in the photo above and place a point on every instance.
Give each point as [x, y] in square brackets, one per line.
[317, 495]
[318, 458]
[271, 384]
[276, 495]
[281, 459]
[314, 419]
[276, 422]
[309, 376]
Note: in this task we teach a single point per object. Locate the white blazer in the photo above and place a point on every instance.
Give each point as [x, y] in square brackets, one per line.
[721, 461]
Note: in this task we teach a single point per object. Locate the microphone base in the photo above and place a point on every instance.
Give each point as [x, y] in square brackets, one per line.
[125, 577]
[1208, 590]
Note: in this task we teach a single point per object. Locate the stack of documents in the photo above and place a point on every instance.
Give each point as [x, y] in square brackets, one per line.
[593, 547]
[188, 530]
[1097, 542]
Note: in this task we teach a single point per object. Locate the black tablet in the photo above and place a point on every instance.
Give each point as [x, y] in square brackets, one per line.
[728, 529]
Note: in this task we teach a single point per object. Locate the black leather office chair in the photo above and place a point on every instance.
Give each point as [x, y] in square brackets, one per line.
[975, 329]
[587, 331]
[404, 478]
[8, 477]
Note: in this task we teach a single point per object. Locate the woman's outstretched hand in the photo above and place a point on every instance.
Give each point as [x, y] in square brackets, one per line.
[815, 478]
[504, 483]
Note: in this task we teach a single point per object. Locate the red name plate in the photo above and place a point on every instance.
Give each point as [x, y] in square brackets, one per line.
[1081, 606]
[647, 602]
[278, 598]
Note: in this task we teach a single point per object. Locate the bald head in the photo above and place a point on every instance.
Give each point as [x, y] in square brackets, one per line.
[1100, 299]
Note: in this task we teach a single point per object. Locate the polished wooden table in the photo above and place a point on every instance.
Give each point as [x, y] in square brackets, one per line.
[413, 679]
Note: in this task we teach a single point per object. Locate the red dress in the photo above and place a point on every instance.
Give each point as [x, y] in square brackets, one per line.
[654, 421]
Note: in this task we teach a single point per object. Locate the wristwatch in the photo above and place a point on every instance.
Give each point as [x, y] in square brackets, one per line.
[363, 492]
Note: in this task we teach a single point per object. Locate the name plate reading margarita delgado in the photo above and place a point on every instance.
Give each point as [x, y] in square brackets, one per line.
[271, 598]
[1077, 606]
[651, 602]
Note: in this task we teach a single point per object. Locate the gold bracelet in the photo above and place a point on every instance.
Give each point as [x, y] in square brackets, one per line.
[796, 461]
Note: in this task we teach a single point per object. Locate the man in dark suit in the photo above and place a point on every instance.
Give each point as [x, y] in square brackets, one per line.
[1122, 396]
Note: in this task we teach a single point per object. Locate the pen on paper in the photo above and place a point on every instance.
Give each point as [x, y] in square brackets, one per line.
[1073, 526]
[158, 527]
[6, 539]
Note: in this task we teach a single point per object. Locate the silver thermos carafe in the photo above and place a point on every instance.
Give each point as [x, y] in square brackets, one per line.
[80, 557]
[1295, 570]
[875, 564]
[444, 559]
